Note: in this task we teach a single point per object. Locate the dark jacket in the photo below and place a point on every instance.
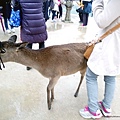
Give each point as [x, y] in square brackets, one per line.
[6, 8]
[87, 7]
[33, 27]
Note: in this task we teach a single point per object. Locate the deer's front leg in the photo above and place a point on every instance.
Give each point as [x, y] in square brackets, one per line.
[52, 95]
[48, 99]
[77, 91]
[50, 88]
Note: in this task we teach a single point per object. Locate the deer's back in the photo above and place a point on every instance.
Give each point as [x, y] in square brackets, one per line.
[62, 59]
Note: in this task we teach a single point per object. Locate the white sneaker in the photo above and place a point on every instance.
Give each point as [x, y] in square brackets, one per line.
[85, 113]
[54, 20]
[106, 111]
[8, 31]
[13, 30]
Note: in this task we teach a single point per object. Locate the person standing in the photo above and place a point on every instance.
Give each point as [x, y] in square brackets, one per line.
[33, 26]
[104, 60]
[55, 10]
[80, 11]
[6, 11]
[45, 9]
[49, 5]
[59, 14]
[87, 8]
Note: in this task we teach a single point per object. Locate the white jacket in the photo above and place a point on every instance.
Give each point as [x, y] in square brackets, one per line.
[105, 58]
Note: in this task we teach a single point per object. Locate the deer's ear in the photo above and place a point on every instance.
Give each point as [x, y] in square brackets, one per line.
[13, 38]
[21, 45]
[24, 44]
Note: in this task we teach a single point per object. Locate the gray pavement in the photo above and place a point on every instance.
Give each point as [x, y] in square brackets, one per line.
[23, 93]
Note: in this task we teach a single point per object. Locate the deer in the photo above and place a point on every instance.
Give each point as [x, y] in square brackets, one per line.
[52, 61]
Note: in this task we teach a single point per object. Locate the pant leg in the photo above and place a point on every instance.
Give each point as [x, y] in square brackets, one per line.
[41, 45]
[60, 11]
[6, 23]
[57, 14]
[53, 14]
[45, 10]
[92, 90]
[109, 90]
[81, 17]
[85, 19]
[29, 45]
[87, 15]
[11, 27]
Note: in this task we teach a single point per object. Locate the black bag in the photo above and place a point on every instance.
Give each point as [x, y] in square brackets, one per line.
[79, 10]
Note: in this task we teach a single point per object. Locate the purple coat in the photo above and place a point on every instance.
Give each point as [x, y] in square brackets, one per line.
[33, 27]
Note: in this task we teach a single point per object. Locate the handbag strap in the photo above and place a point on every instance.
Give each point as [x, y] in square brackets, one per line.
[104, 35]
[109, 32]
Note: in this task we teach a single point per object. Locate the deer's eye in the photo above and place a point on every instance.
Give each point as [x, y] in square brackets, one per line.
[2, 50]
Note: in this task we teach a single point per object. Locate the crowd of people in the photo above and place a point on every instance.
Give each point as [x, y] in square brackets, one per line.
[54, 13]
[7, 5]
[57, 10]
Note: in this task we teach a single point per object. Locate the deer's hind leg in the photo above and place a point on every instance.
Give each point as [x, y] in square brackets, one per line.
[50, 90]
[52, 94]
[81, 79]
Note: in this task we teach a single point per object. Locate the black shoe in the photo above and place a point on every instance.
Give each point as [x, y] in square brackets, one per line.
[28, 68]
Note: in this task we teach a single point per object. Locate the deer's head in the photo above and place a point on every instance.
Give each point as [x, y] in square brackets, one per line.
[3, 46]
[10, 45]
[9, 48]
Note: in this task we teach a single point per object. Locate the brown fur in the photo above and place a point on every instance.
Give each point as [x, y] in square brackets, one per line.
[52, 62]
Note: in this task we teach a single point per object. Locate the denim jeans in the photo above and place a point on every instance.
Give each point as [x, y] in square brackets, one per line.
[92, 90]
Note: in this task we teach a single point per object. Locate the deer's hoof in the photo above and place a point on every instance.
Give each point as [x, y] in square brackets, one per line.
[49, 106]
[75, 95]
